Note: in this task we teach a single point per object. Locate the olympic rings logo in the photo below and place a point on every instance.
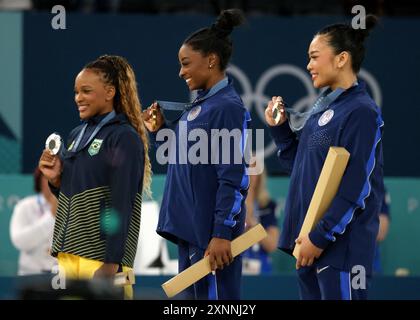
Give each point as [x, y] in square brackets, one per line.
[259, 99]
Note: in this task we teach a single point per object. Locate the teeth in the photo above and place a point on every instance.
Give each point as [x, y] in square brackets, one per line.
[188, 80]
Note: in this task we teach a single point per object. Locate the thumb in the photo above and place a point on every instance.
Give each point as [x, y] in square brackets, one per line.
[146, 114]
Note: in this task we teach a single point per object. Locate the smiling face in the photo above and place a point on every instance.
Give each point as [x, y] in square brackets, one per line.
[323, 62]
[196, 69]
[92, 96]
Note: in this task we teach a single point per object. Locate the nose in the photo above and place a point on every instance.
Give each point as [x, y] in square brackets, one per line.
[309, 66]
[77, 97]
[181, 72]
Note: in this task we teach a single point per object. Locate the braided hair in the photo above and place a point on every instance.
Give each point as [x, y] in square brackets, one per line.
[116, 71]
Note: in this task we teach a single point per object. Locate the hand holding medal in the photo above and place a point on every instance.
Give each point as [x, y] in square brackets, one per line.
[278, 110]
[153, 118]
[50, 163]
[274, 113]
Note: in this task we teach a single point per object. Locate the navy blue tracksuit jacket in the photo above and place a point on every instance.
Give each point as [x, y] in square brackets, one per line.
[348, 230]
[206, 200]
[99, 201]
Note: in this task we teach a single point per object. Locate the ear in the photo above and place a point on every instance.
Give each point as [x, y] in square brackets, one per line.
[342, 59]
[213, 60]
[110, 93]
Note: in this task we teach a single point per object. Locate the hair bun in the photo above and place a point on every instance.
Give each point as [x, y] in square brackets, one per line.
[370, 22]
[226, 21]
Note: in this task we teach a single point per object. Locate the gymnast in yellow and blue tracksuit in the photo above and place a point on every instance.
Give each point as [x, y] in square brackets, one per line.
[100, 177]
[203, 206]
[342, 245]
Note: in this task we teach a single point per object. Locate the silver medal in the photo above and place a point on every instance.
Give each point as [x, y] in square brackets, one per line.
[53, 143]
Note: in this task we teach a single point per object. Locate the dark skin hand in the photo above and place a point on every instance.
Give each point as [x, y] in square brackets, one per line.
[107, 270]
[152, 117]
[219, 252]
[51, 167]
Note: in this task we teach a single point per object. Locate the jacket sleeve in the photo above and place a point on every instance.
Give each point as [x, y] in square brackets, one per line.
[287, 143]
[361, 137]
[55, 191]
[126, 181]
[386, 203]
[233, 180]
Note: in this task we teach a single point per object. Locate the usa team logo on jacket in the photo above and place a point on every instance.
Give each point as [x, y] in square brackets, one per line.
[326, 117]
[194, 112]
[95, 147]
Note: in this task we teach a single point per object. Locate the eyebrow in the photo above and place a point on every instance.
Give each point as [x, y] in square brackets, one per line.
[312, 52]
[83, 87]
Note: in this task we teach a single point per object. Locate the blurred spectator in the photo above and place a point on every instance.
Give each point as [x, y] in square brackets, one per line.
[260, 209]
[31, 228]
[384, 219]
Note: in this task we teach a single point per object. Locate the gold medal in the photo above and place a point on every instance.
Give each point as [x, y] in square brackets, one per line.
[154, 119]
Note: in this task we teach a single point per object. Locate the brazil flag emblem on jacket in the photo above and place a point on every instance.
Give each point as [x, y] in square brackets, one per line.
[95, 147]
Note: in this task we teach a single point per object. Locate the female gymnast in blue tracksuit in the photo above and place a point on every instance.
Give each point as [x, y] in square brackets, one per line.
[336, 258]
[203, 206]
